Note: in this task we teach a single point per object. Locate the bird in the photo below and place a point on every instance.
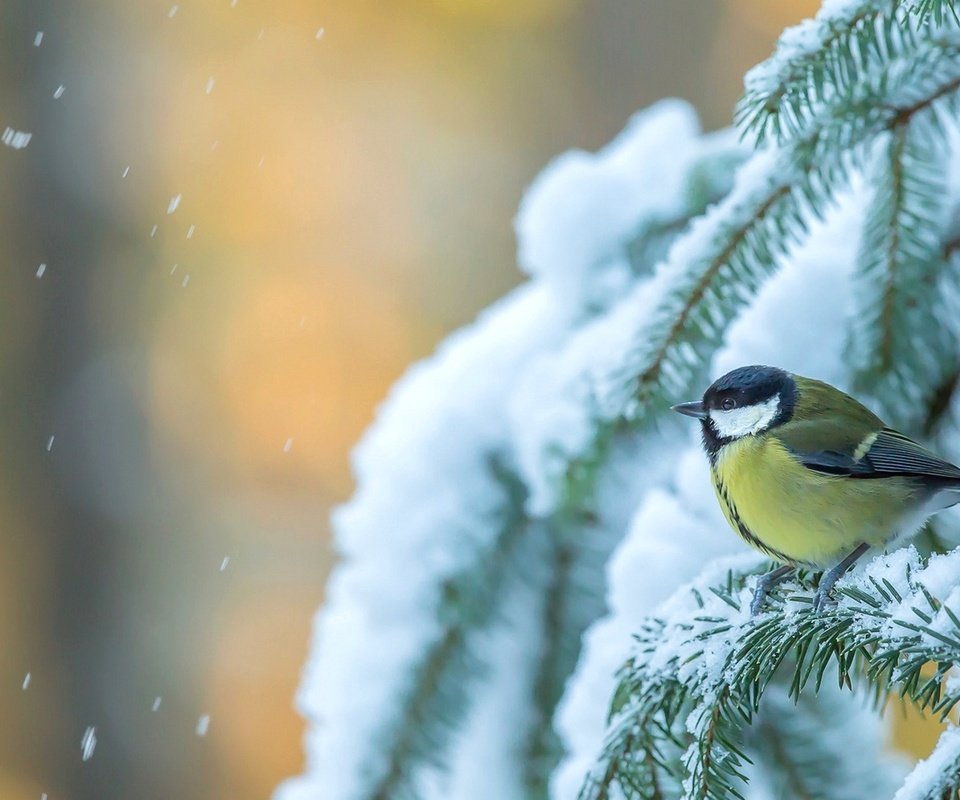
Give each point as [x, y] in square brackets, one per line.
[809, 476]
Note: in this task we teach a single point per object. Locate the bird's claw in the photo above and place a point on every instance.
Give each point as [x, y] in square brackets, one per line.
[822, 598]
[764, 584]
[759, 596]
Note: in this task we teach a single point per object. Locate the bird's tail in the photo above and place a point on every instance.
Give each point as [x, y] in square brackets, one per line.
[948, 496]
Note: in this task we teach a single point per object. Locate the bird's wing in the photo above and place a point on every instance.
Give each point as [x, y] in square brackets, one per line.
[885, 454]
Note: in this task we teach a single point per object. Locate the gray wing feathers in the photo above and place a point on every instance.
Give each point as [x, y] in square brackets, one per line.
[894, 454]
[891, 454]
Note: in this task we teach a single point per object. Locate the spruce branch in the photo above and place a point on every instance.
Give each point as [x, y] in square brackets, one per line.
[900, 352]
[437, 698]
[748, 231]
[748, 234]
[574, 598]
[710, 180]
[557, 659]
[717, 266]
[823, 61]
[817, 59]
[937, 10]
[580, 550]
[701, 668]
[793, 746]
[937, 777]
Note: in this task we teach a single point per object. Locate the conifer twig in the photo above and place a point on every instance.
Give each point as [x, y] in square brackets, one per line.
[718, 660]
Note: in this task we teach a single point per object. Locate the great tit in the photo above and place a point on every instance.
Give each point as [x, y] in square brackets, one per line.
[810, 476]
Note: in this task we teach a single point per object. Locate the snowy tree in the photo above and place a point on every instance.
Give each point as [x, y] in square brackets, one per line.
[506, 621]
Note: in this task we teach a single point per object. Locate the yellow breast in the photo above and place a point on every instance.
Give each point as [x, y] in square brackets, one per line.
[797, 515]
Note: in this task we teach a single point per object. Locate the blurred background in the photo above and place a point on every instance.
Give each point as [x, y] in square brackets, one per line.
[234, 224]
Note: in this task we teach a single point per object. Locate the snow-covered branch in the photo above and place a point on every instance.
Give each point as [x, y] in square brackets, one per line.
[702, 665]
[437, 529]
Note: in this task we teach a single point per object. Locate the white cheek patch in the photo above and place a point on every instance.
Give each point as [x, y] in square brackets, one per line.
[747, 420]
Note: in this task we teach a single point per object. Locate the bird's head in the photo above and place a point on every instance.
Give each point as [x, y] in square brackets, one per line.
[744, 402]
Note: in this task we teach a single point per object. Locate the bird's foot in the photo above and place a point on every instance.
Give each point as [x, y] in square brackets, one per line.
[764, 584]
[822, 598]
[759, 595]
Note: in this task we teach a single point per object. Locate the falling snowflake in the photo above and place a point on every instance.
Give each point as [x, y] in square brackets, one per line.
[88, 743]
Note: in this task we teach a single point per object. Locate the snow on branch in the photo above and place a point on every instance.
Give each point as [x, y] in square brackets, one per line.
[937, 10]
[437, 527]
[702, 664]
[900, 358]
[938, 776]
[426, 543]
[573, 235]
[792, 322]
[823, 60]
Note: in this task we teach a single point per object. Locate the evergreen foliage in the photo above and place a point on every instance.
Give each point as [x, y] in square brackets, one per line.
[865, 89]
[698, 678]
[435, 704]
[874, 91]
[898, 356]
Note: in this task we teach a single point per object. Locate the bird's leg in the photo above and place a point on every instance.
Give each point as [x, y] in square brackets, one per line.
[832, 575]
[764, 584]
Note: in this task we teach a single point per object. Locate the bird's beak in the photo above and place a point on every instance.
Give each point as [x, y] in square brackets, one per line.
[694, 409]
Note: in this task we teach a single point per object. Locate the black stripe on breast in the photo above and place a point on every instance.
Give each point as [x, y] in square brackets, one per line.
[745, 533]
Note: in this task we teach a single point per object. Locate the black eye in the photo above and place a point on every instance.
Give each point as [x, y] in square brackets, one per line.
[728, 404]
